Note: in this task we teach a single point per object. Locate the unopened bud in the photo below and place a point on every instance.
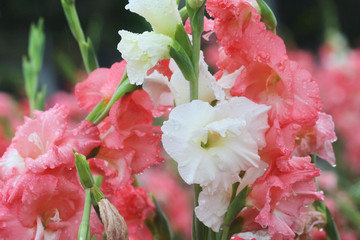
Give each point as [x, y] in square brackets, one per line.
[195, 4]
[114, 223]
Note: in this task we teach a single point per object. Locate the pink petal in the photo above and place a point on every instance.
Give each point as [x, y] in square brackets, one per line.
[88, 92]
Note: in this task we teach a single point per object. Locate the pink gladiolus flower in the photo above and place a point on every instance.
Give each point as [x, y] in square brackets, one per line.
[317, 139]
[44, 206]
[281, 192]
[44, 143]
[130, 142]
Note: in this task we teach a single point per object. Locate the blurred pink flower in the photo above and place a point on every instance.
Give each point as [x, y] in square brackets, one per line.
[173, 199]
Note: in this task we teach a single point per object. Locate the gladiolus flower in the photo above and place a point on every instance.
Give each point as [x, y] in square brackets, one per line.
[213, 144]
[142, 52]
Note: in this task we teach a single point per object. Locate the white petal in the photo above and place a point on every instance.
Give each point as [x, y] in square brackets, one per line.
[212, 208]
[163, 15]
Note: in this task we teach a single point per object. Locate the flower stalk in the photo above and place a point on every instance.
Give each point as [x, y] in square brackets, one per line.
[86, 47]
[32, 65]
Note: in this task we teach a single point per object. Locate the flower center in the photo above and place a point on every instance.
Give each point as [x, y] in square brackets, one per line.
[213, 139]
[51, 216]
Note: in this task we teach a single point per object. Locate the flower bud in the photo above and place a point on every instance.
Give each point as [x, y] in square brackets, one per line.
[195, 4]
[114, 223]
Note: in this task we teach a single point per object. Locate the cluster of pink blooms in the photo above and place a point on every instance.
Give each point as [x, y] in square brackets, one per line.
[337, 73]
[269, 138]
[280, 197]
[41, 196]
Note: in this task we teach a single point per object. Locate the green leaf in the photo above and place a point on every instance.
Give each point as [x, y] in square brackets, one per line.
[183, 61]
[330, 227]
[267, 15]
[183, 39]
[236, 206]
[236, 226]
[233, 210]
[161, 223]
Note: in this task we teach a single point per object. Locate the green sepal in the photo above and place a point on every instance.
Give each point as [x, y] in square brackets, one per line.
[183, 61]
[83, 170]
[160, 225]
[183, 39]
[267, 15]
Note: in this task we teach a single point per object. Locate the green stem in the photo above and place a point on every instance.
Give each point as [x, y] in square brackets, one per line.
[197, 26]
[199, 229]
[212, 235]
[86, 48]
[84, 230]
[124, 87]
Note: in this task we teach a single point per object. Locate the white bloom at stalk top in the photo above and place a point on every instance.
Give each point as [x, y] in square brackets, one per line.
[142, 52]
[213, 144]
[163, 15]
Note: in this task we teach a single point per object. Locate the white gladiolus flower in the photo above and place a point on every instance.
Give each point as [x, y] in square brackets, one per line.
[180, 87]
[163, 15]
[142, 52]
[213, 144]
